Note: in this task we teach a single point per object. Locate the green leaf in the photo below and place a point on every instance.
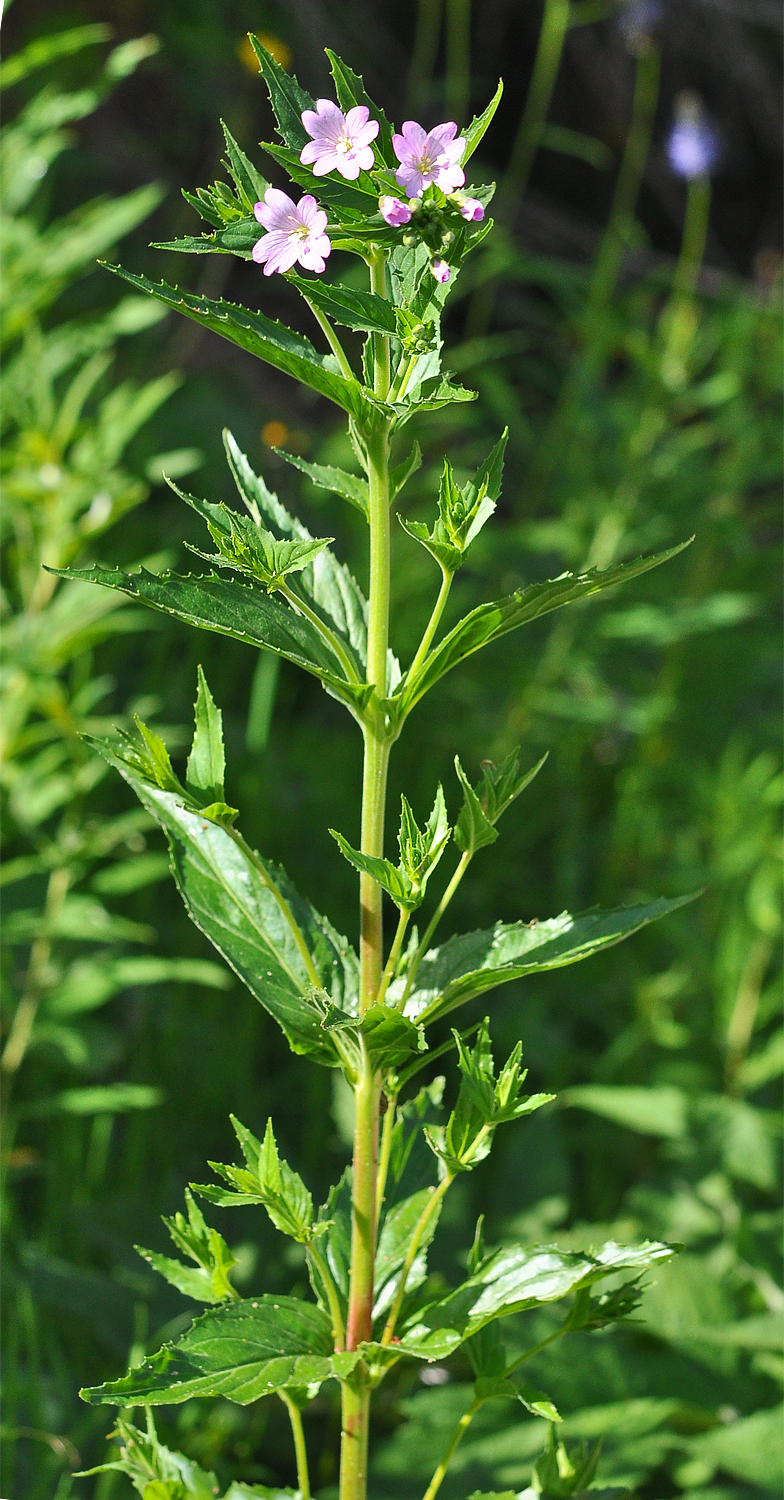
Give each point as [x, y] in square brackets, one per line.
[473, 134]
[462, 514]
[401, 473]
[158, 761]
[272, 342]
[490, 621]
[243, 611]
[512, 1280]
[350, 90]
[561, 1472]
[334, 1227]
[395, 1237]
[657, 1111]
[364, 311]
[155, 1471]
[288, 100]
[349, 486]
[249, 181]
[251, 913]
[267, 1180]
[241, 1351]
[751, 1449]
[213, 1258]
[483, 806]
[391, 879]
[207, 761]
[483, 1104]
[355, 201]
[420, 851]
[246, 546]
[469, 965]
[47, 49]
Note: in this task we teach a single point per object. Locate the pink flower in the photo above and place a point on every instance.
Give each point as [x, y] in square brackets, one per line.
[432, 157]
[340, 142]
[394, 212]
[440, 270]
[470, 208]
[295, 232]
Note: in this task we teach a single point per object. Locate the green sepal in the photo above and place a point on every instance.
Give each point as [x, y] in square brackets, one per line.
[349, 486]
[264, 1179]
[490, 621]
[241, 1351]
[272, 342]
[483, 805]
[207, 761]
[475, 962]
[209, 1282]
[472, 135]
[287, 98]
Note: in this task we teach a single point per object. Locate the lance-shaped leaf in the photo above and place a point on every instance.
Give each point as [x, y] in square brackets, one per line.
[349, 486]
[248, 180]
[561, 1472]
[462, 511]
[236, 238]
[334, 1228]
[332, 589]
[483, 1103]
[354, 202]
[512, 1280]
[207, 760]
[483, 805]
[420, 851]
[472, 135]
[277, 345]
[364, 311]
[350, 90]
[274, 940]
[288, 100]
[264, 1179]
[401, 473]
[241, 610]
[490, 621]
[209, 1282]
[469, 965]
[242, 1351]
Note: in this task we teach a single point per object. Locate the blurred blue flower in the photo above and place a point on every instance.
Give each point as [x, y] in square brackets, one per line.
[638, 20]
[693, 148]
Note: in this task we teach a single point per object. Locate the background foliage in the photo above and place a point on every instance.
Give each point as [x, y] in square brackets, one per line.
[634, 413]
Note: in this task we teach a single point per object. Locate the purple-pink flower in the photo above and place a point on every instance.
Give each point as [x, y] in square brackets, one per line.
[394, 212]
[470, 208]
[341, 143]
[440, 270]
[295, 233]
[429, 157]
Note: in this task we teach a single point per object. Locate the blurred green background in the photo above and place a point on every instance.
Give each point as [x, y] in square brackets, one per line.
[640, 377]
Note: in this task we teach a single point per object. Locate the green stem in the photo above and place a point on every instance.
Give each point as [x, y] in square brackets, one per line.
[432, 625]
[367, 1096]
[332, 339]
[695, 233]
[333, 641]
[386, 1149]
[438, 1478]
[338, 1331]
[416, 1239]
[394, 954]
[355, 1414]
[529, 1353]
[303, 1478]
[458, 60]
[433, 923]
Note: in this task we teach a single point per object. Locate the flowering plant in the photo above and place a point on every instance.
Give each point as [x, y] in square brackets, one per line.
[280, 589]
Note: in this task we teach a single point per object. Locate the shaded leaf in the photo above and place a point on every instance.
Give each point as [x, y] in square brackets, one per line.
[349, 486]
[365, 311]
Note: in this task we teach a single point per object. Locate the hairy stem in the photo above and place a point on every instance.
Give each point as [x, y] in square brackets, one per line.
[303, 1477]
[426, 1215]
[438, 1478]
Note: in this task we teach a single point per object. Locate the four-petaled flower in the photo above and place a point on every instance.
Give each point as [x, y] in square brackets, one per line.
[341, 143]
[394, 212]
[432, 157]
[295, 232]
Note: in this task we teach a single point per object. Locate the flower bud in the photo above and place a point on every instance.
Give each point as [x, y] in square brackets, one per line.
[440, 270]
[394, 212]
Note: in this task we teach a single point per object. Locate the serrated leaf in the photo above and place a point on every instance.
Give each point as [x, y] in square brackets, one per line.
[483, 805]
[249, 181]
[192, 1281]
[265, 1179]
[288, 100]
[364, 311]
[242, 610]
[207, 761]
[478, 961]
[272, 342]
[251, 913]
[355, 201]
[474, 132]
[241, 1351]
[490, 621]
[349, 486]
[394, 881]
[512, 1280]
[350, 90]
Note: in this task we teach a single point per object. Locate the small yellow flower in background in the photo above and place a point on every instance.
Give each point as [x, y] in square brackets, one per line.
[274, 434]
[274, 44]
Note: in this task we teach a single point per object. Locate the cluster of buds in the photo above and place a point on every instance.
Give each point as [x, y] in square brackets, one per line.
[429, 219]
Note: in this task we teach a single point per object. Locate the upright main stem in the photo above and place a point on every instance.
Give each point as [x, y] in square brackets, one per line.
[367, 1090]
